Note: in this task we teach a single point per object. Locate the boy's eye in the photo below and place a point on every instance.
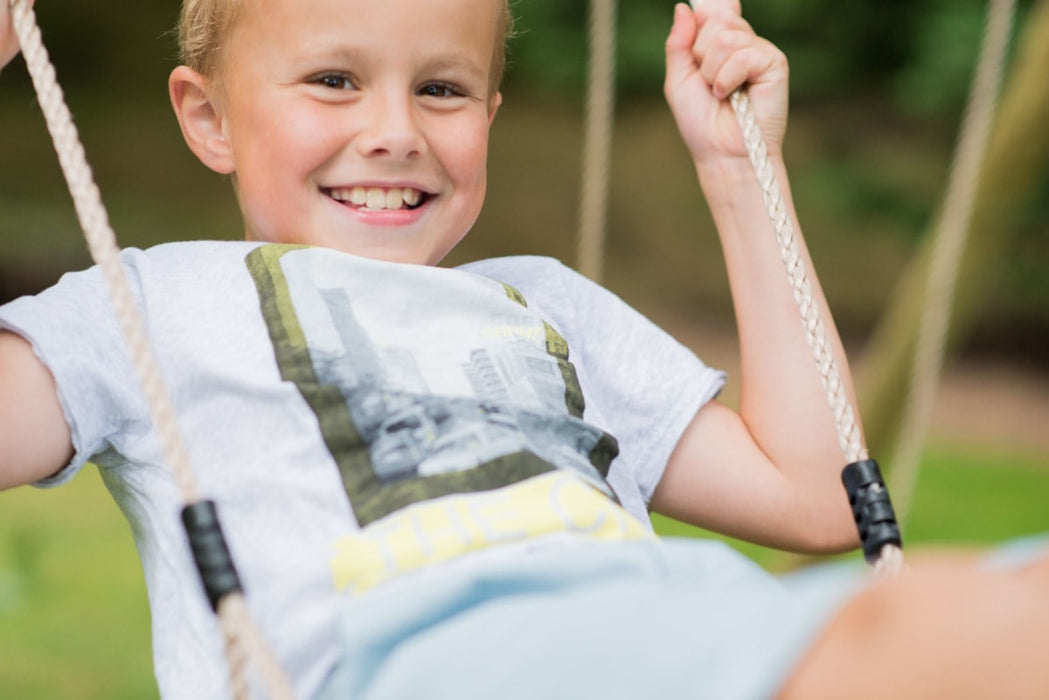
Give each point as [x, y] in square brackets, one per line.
[335, 81]
[440, 90]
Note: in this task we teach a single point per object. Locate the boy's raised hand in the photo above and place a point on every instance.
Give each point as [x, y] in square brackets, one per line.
[8, 39]
[711, 51]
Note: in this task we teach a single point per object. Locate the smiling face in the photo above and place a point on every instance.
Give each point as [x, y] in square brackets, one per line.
[359, 125]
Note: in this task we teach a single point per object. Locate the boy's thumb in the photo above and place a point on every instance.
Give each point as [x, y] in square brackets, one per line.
[680, 60]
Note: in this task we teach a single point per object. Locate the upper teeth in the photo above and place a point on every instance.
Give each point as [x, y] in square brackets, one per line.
[378, 197]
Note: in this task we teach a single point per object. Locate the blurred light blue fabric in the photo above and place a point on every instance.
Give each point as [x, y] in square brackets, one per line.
[651, 619]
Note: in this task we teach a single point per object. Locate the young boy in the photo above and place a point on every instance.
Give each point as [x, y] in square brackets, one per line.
[435, 482]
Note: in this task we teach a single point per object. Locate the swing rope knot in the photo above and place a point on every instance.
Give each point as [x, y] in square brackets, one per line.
[210, 551]
[871, 507]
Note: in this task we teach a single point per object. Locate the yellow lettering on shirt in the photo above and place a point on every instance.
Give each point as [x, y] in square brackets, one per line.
[437, 531]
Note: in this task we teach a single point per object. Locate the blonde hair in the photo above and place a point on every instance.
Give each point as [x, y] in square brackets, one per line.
[202, 27]
[204, 24]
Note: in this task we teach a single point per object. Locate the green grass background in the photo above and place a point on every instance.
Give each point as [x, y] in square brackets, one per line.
[74, 621]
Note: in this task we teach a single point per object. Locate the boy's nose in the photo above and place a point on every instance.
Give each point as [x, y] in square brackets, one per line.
[391, 129]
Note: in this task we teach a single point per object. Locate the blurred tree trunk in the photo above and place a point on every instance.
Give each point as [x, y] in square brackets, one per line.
[1018, 153]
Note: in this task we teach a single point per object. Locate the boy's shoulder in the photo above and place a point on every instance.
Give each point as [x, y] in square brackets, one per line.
[514, 269]
[194, 250]
[171, 258]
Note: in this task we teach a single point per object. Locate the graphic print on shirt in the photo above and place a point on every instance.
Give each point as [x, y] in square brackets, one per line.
[425, 382]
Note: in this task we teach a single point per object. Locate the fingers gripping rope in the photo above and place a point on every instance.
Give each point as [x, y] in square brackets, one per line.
[243, 639]
[849, 437]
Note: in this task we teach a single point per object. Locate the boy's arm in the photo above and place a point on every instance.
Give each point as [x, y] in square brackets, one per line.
[35, 440]
[769, 473]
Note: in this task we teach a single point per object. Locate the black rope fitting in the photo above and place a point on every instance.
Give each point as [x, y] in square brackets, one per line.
[210, 551]
[871, 507]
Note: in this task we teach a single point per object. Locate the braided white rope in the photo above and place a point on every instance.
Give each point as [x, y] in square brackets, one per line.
[245, 643]
[931, 346]
[99, 235]
[105, 252]
[597, 140]
[850, 439]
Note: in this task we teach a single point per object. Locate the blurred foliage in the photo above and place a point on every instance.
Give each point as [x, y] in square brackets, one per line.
[907, 65]
[919, 53]
[877, 92]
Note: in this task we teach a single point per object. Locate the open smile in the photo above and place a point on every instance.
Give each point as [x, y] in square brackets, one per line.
[378, 198]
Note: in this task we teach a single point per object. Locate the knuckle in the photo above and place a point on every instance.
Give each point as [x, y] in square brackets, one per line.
[779, 60]
[725, 41]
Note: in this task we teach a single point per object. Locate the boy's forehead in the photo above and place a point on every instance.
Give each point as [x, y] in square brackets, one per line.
[458, 26]
[438, 16]
[271, 32]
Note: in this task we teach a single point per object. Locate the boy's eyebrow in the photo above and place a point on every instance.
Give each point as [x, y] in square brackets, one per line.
[332, 52]
[459, 62]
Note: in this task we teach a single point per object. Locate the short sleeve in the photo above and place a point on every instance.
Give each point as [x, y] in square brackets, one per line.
[74, 332]
[640, 384]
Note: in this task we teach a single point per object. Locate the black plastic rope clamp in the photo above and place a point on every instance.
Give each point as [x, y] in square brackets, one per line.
[871, 507]
[210, 551]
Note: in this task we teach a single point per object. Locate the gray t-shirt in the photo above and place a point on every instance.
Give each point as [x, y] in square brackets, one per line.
[359, 424]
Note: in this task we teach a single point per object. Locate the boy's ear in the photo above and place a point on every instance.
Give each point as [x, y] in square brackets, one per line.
[493, 106]
[200, 119]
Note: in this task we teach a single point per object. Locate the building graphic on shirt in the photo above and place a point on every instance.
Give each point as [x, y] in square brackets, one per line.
[415, 402]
